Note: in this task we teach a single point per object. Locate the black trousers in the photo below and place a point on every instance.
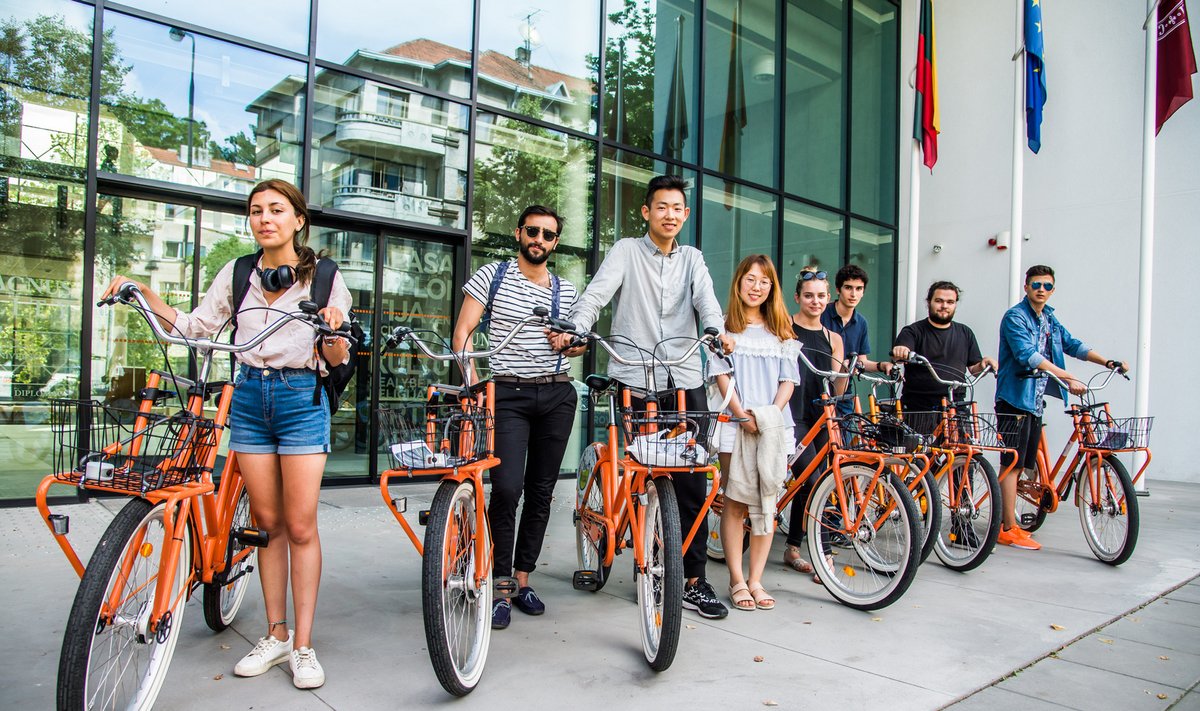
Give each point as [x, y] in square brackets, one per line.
[795, 535]
[690, 489]
[533, 423]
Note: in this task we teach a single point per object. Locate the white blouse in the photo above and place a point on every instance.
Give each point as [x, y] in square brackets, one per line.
[760, 363]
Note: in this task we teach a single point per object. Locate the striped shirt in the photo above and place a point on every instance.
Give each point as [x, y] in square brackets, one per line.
[529, 354]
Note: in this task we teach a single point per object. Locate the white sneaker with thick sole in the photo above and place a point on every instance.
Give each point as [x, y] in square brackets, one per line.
[306, 670]
[266, 654]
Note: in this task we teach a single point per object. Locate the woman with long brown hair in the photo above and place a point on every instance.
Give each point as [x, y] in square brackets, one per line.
[754, 459]
[279, 429]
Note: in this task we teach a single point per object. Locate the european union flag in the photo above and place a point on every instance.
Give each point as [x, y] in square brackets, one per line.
[1035, 74]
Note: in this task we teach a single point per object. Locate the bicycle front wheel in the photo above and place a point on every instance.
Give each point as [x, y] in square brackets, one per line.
[925, 495]
[970, 495]
[222, 600]
[457, 610]
[112, 656]
[660, 585]
[1108, 509]
[869, 562]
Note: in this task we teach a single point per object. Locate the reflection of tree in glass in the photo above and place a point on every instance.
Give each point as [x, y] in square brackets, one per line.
[219, 255]
[527, 165]
[636, 118]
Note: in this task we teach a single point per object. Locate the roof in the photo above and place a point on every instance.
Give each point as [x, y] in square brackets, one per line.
[493, 65]
[170, 157]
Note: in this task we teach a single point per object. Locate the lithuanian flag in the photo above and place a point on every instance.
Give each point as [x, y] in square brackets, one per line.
[926, 119]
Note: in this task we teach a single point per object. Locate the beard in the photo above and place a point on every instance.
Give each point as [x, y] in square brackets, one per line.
[940, 320]
[526, 251]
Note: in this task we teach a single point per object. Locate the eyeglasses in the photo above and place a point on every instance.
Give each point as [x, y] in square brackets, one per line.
[532, 232]
[1047, 285]
[809, 276]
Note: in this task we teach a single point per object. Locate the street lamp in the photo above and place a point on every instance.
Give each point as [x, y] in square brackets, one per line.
[177, 35]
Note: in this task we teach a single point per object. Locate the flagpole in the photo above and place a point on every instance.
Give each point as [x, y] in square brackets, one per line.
[914, 222]
[1016, 230]
[1141, 402]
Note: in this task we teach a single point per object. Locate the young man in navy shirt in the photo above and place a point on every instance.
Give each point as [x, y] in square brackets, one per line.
[842, 318]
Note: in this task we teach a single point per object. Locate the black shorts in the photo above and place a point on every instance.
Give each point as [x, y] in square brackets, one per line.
[1028, 438]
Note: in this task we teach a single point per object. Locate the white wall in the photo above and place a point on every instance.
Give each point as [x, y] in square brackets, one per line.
[1082, 196]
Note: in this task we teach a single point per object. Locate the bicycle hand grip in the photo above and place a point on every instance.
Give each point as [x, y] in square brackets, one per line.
[712, 331]
[124, 294]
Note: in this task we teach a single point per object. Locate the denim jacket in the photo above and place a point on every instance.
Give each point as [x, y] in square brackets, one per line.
[1019, 355]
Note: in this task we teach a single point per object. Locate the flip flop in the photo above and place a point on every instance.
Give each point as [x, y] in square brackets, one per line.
[793, 560]
[762, 599]
[739, 595]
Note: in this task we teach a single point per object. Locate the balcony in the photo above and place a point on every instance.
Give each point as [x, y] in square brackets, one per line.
[395, 204]
[362, 129]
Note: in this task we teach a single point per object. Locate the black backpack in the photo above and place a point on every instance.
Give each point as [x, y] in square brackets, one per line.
[322, 284]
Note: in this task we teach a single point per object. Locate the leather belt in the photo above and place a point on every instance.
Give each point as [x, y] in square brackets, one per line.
[536, 380]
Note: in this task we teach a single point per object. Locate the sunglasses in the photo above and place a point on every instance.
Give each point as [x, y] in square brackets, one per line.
[532, 232]
[1047, 285]
[809, 276]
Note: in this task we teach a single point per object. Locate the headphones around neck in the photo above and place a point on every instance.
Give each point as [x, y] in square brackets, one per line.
[278, 279]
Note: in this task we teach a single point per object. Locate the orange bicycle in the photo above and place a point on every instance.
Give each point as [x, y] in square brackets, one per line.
[1104, 491]
[451, 435]
[180, 531]
[625, 496]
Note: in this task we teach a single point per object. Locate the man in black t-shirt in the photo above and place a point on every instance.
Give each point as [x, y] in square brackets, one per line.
[951, 348]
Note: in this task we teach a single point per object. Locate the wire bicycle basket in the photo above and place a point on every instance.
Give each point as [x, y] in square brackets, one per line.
[981, 430]
[95, 444]
[1105, 432]
[670, 438]
[889, 435]
[436, 434]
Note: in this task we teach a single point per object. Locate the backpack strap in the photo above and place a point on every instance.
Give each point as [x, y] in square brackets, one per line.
[485, 321]
[555, 290]
[243, 267]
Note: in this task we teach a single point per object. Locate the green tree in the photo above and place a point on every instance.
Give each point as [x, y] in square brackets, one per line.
[239, 148]
[221, 254]
[636, 19]
[153, 125]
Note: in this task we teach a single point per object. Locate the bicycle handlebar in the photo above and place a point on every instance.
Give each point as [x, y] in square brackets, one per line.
[827, 374]
[971, 381]
[1087, 388]
[709, 339]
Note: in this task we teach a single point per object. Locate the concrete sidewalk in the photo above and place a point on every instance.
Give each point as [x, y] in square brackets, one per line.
[1028, 630]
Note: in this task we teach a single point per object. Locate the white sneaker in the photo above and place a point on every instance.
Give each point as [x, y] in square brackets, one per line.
[306, 670]
[266, 654]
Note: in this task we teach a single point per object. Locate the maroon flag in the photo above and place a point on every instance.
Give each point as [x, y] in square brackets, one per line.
[1176, 60]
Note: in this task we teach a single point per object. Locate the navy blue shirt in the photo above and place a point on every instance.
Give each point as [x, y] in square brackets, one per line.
[854, 339]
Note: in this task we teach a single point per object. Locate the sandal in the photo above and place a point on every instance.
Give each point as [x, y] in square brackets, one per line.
[793, 560]
[741, 597]
[828, 562]
[762, 598]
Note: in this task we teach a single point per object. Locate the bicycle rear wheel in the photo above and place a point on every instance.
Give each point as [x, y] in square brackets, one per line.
[222, 600]
[457, 612]
[110, 656]
[925, 496]
[591, 533]
[660, 585]
[872, 565]
[1109, 514]
[970, 495]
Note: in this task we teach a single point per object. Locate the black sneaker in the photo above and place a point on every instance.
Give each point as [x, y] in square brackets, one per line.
[527, 601]
[703, 599]
[501, 614]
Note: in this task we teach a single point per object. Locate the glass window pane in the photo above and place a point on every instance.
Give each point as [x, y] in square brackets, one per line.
[541, 61]
[650, 77]
[873, 148]
[381, 150]
[45, 81]
[281, 23]
[403, 40]
[623, 180]
[228, 120]
[224, 236]
[518, 164]
[815, 142]
[736, 224]
[874, 249]
[350, 439]
[418, 291]
[41, 268]
[812, 237]
[740, 90]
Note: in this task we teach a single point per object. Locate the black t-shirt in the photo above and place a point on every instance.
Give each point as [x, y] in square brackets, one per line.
[805, 400]
[951, 350]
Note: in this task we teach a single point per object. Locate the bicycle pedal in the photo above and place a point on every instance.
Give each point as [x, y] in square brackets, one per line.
[585, 580]
[251, 537]
[423, 517]
[61, 523]
[1027, 519]
[504, 586]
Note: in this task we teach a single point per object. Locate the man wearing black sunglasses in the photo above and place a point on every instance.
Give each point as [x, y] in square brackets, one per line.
[535, 400]
[1031, 340]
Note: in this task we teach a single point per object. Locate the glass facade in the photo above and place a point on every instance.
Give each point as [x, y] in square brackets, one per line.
[418, 134]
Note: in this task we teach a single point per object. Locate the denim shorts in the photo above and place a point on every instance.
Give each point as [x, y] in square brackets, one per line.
[273, 413]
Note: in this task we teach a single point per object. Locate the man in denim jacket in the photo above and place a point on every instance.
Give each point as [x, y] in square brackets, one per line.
[1032, 339]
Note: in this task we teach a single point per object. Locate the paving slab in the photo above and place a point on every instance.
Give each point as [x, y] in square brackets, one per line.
[1174, 611]
[1143, 661]
[1160, 633]
[1187, 593]
[995, 698]
[1086, 688]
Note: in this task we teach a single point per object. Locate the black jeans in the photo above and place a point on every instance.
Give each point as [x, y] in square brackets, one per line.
[533, 419]
[795, 535]
[690, 489]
